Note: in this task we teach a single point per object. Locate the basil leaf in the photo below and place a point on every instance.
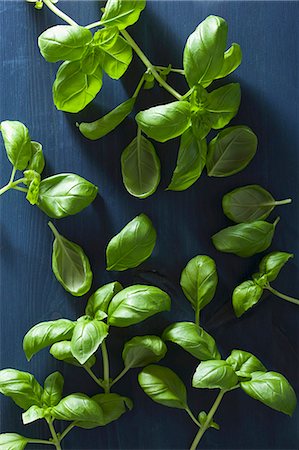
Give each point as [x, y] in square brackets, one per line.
[87, 337]
[17, 143]
[190, 163]
[46, 333]
[32, 414]
[73, 89]
[140, 166]
[106, 37]
[65, 194]
[215, 374]
[193, 339]
[122, 13]
[272, 264]
[12, 441]
[245, 363]
[64, 43]
[272, 389]
[53, 387]
[62, 351]
[143, 350]
[203, 53]
[132, 245]
[165, 122]
[78, 407]
[245, 296]
[163, 386]
[100, 299]
[135, 304]
[21, 387]
[90, 62]
[106, 124]
[231, 151]
[199, 281]
[33, 183]
[114, 59]
[232, 60]
[223, 104]
[245, 239]
[37, 161]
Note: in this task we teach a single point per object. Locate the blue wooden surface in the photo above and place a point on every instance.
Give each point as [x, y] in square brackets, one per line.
[268, 34]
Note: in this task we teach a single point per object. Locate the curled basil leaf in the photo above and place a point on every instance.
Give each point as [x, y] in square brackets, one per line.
[32, 414]
[21, 387]
[232, 60]
[272, 264]
[32, 180]
[245, 296]
[143, 350]
[122, 13]
[87, 336]
[62, 351]
[37, 161]
[100, 299]
[245, 363]
[53, 387]
[17, 143]
[215, 374]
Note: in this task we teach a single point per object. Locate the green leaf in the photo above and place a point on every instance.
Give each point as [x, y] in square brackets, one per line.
[87, 337]
[190, 163]
[202, 418]
[32, 414]
[165, 122]
[215, 374]
[114, 59]
[163, 386]
[33, 183]
[106, 124]
[122, 13]
[135, 304]
[245, 363]
[140, 166]
[53, 387]
[199, 281]
[223, 104]
[21, 387]
[12, 441]
[203, 53]
[73, 89]
[78, 408]
[64, 43]
[70, 265]
[232, 60]
[272, 264]
[37, 161]
[90, 62]
[132, 245]
[106, 37]
[245, 239]
[100, 299]
[193, 339]
[272, 389]
[245, 296]
[143, 350]
[65, 194]
[17, 143]
[46, 333]
[231, 151]
[62, 351]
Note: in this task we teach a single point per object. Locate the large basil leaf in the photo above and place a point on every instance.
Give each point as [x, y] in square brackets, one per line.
[37, 161]
[122, 13]
[114, 59]
[231, 151]
[143, 350]
[65, 194]
[87, 336]
[64, 43]
[193, 339]
[46, 333]
[32, 414]
[245, 239]
[73, 89]
[17, 143]
[135, 304]
[12, 441]
[101, 127]
[100, 299]
[21, 387]
[62, 351]
[223, 104]
[245, 296]
[272, 389]
[245, 363]
[232, 60]
[272, 264]
[163, 386]
[140, 166]
[190, 163]
[70, 265]
[165, 122]
[78, 407]
[132, 245]
[215, 374]
[204, 51]
[53, 387]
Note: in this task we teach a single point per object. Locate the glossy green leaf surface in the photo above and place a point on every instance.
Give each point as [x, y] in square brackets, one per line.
[114, 59]
[215, 374]
[87, 336]
[245, 296]
[53, 387]
[17, 143]
[272, 264]
[122, 13]
[232, 60]
[21, 387]
[12, 441]
[100, 299]
[78, 407]
[62, 351]
[223, 104]
[143, 350]
[37, 161]
[32, 414]
[245, 363]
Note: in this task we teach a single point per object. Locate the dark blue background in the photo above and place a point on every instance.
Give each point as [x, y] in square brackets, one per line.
[268, 35]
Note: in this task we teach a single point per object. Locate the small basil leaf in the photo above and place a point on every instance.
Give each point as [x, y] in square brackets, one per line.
[78, 407]
[104, 125]
[32, 414]
[21, 387]
[203, 53]
[202, 418]
[231, 151]
[65, 194]
[13, 441]
[245, 362]
[165, 122]
[193, 339]
[245, 296]
[140, 166]
[272, 389]
[272, 264]
[33, 183]
[199, 281]
[245, 239]
[215, 374]
[100, 299]
[143, 350]
[223, 104]
[163, 386]
[62, 351]
[37, 161]
[17, 143]
[190, 163]
[232, 60]
[64, 43]
[73, 89]
[132, 245]
[114, 59]
[122, 13]
[87, 337]
[53, 387]
[260, 279]
[135, 304]
[46, 333]
[70, 265]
